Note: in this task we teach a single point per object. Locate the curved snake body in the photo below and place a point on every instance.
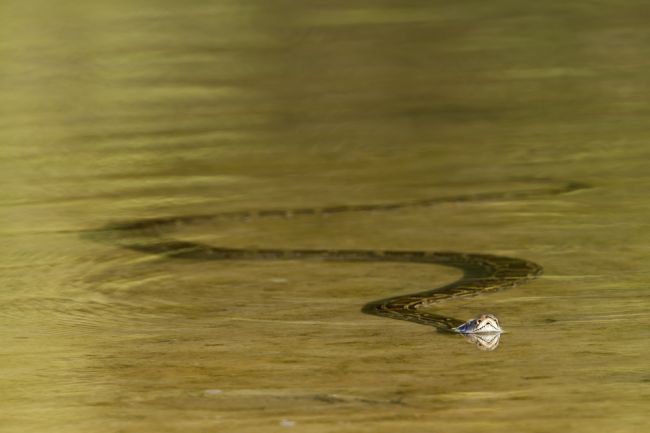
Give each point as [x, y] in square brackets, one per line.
[482, 273]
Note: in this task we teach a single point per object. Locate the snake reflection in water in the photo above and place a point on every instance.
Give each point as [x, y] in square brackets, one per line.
[482, 273]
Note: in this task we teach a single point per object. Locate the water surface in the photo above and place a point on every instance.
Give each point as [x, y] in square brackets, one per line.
[142, 110]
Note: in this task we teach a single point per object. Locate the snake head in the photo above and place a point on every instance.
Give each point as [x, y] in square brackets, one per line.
[484, 324]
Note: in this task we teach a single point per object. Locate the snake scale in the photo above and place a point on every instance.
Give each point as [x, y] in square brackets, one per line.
[482, 273]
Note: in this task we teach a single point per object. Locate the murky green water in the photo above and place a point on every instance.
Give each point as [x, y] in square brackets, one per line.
[142, 109]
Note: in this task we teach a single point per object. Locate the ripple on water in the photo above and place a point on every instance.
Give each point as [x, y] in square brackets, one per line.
[63, 284]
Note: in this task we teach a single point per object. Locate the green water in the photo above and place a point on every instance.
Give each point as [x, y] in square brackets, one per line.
[126, 110]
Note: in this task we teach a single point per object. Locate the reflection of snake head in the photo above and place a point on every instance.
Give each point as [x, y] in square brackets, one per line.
[484, 324]
[486, 342]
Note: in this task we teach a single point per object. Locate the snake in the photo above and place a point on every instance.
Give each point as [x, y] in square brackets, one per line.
[481, 273]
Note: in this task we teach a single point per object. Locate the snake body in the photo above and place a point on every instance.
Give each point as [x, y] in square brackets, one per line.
[482, 273]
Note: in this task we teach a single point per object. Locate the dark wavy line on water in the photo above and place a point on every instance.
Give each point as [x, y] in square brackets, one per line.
[482, 273]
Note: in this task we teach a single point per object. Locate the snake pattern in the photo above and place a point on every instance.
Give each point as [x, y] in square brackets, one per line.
[482, 273]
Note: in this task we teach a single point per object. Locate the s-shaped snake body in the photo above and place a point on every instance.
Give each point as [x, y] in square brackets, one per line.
[482, 273]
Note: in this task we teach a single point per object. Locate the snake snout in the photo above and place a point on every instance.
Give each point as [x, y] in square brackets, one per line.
[484, 324]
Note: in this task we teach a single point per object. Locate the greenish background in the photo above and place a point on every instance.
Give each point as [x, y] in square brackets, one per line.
[111, 111]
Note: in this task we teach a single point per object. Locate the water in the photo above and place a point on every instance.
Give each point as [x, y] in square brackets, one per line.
[125, 111]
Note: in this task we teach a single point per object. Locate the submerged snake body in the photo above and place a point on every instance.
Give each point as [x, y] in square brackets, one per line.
[482, 273]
